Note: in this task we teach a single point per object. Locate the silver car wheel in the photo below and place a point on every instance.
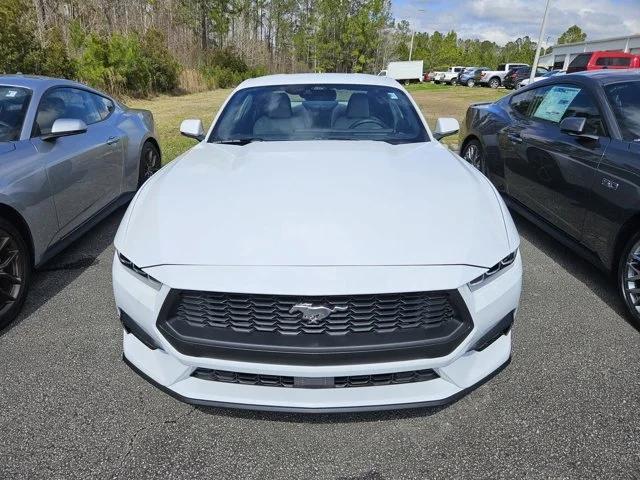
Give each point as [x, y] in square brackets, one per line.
[11, 274]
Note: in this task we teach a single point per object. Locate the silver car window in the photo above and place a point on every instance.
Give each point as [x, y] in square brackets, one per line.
[14, 103]
[65, 102]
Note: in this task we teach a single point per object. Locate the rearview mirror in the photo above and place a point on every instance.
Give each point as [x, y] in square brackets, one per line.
[65, 127]
[192, 128]
[575, 126]
[446, 127]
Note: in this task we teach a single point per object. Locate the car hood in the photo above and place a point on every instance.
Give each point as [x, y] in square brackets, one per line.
[315, 203]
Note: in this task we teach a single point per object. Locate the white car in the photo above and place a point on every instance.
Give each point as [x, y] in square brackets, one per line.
[318, 250]
[552, 73]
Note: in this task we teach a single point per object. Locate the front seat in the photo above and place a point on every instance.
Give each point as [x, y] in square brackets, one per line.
[357, 109]
[277, 118]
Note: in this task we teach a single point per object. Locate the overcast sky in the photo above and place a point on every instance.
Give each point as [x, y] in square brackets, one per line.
[505, 20]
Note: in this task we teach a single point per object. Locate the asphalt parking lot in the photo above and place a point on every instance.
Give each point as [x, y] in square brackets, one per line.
[568, 406]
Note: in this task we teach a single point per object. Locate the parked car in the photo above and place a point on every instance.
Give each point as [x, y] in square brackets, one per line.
[495, 78]
[565, 152]
[289, 294]
[69, 155]
[450, 76]
[404, 72]
[428, 77]
[469, 75]
[603, 61]
[516, 75]
[551, 73]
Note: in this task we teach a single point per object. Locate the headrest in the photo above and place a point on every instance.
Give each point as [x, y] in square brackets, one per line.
[358, 106]
[278, 106]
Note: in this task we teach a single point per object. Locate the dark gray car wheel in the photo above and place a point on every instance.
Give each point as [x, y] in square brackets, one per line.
[471, 82]
[629, 277]
[15, 272]
[494, 82]
[473, 153]
[150, 162]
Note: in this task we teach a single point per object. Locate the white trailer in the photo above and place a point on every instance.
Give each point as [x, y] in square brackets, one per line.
[404, 71]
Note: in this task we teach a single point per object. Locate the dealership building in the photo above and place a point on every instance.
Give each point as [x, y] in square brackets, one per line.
[561, 56]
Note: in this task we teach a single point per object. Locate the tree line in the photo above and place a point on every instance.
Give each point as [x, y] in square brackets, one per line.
[143, 47]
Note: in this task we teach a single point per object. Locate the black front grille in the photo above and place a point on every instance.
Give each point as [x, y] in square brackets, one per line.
[376, 380]
[273, 328]
[354, 314]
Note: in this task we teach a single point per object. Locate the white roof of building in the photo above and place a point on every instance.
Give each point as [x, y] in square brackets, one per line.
[319, 78]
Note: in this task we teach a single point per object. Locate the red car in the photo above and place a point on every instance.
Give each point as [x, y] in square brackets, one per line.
[603, 60]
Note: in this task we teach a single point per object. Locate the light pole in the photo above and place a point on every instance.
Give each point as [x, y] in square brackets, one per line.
[534, 68]
[413, 34]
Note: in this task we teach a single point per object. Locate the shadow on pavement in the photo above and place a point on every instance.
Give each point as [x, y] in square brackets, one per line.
[64, 268]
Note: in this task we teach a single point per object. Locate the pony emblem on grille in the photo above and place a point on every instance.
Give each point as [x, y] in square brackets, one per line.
[314, 313]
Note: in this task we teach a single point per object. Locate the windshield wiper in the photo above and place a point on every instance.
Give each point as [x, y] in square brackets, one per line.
[237, 141]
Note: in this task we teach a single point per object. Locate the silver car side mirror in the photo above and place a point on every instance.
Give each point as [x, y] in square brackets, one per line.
[65, 127]
[192, 128]
[445, 127]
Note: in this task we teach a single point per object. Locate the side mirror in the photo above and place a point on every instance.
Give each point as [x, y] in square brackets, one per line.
[65, 127]
[192, 128]
[446, 127]
[575, 126]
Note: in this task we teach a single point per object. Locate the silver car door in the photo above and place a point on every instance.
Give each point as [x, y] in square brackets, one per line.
[85, 170]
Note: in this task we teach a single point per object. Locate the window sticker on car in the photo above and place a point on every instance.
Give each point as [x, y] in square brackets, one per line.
[11, 93]
[393, 96]
[555, 103]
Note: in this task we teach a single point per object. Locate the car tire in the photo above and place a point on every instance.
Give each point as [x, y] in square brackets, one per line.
[628, 268]
[494, 82]
[471, 82]
[15, 272]
[454, 82]
[436, 82]
[473, 153]
[150, 162]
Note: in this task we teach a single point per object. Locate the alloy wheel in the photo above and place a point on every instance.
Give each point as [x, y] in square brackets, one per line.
[11, 271]
[631, 277]
[473, 156]
[150, 163]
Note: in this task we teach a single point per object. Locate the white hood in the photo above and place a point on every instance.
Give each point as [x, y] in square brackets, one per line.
[315, 203]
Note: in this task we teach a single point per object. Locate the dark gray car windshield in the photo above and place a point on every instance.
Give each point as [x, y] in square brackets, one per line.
[625, 101]
[319, 112]
[14, 102]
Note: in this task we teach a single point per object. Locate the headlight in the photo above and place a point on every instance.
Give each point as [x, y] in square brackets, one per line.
[139, 272]
[497, 268]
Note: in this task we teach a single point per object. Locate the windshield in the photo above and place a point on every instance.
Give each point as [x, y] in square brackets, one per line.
[319, 112]
[625, 101]
[14, 102]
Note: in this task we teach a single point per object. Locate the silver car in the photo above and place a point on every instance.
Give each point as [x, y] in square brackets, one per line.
[69, 155]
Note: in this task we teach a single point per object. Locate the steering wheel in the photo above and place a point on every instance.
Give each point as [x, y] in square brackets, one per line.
[371, 120]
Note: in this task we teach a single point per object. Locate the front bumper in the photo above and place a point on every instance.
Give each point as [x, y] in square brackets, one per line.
[469, 365]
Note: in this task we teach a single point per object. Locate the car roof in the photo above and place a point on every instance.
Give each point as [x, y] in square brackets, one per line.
[39, 83]
[610, 76]
[319, 78]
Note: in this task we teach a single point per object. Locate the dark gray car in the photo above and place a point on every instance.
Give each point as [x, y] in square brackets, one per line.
[69, 155]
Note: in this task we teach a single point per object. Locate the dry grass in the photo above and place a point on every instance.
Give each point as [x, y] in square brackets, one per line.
[168, 111]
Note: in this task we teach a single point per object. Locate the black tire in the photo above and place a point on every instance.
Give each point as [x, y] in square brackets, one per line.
[15, 272]
[471, 82]
[473, 153]
[494, 82]
[454, 82]
[628, 268]
[150, 162]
